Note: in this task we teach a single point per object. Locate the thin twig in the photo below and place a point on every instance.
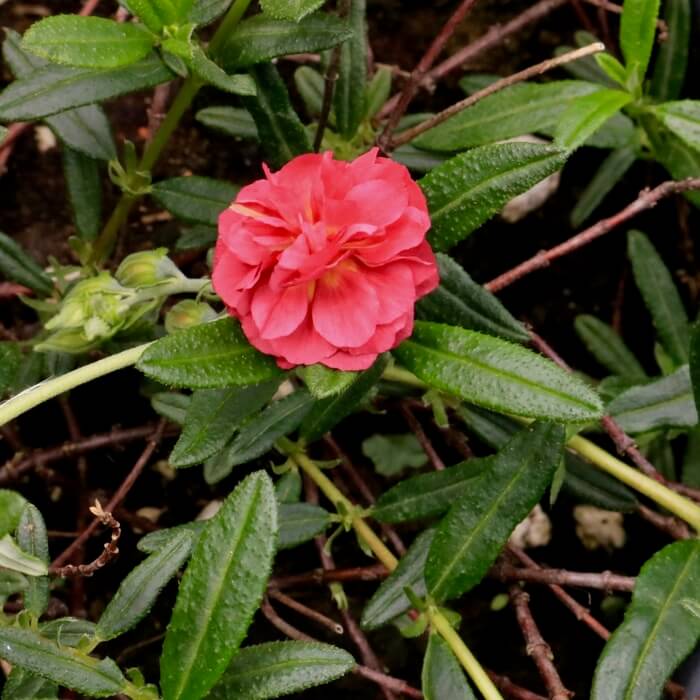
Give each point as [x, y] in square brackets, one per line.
[511, 690]
[646, 200]
[604, 581]
[417, 429]
[305, 611]
[321, 577]
[617, 9]
[420, 71]
[673, 527]
[520, 76]
[330, 79]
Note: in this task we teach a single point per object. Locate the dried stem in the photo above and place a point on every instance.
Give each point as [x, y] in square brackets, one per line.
[604, 581]
[617, 9]
[666, 523]
[305, 611]
[646, 200]
[520, 76]
[321, 577]
[423, 439]
[330, 80]
[504, 684]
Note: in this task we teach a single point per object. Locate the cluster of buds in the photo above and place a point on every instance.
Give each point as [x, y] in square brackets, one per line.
[98, 308]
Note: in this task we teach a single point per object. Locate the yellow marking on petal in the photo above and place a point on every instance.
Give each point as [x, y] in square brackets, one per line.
[311, 290]
[247, 211]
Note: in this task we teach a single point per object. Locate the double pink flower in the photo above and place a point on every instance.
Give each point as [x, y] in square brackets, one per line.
[323, 261]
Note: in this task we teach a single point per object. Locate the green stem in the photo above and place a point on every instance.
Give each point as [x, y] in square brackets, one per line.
[370, 538]
[16, 406]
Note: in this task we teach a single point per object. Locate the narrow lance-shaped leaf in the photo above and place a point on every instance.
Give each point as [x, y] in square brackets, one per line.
[661, 627]
[209, 356]
[294, 10]
[33, 539]
[637, 31]
[212, 74]
[469, 189]
[660, 296]
[21, 684]
[12, 505]
[139, 590]
[195, 199]
[19, 266]
[496, 374]
[14, 559]
[10, 362]
[695, 362]
[442, 675]
[683, 119]
[206, 11]
[323, 381]
[84, 191]
[221, 590]
[281, 668]
[672, 59]
[232, 121]
[472, 534]
[300, 522]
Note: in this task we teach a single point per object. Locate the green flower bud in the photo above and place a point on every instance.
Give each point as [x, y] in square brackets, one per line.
[188, 313]
[147, 268]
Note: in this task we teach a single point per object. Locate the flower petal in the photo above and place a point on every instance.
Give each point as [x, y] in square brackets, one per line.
[279, 313]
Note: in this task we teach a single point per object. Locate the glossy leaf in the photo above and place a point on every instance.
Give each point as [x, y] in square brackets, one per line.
[33, 539]
[349, 96]
[210, 356]
[661, 627]
[327, 413]
[159, 539]
[428, 495]
[469, 538]
[672, 57]
[469, 189]
[195, 199]
[14, 559]
[84, 191]
[460, 301]
[300, 522]
[610, 172]
[213, 417]
[664, 403]
[288, 487]
[139, 590]
[637, 32]
[221, 590]
[232, 121]
[60, 664]
[12, 504]
[280, 130]
[660, 295]
[683, 119]
[18, 266]
[213, 74]
[520, 109]
[442, 675]
[323, 381]
[294, 10]
[88, 42]
[390, 600]
[608, 348]
[416, 159]
[496, 374]
[259, 39]
[67, 631]
[585, 115]
[281, 668]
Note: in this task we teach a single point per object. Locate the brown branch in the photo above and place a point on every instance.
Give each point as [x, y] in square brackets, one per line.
[646, 200]
[321, 577]
[111, 549]
[417, 429]
[604, 581]
[305, 611]
[506, 686]
[617, 9]
[420, 71]
[536, 646]
[10, 290]
[666, 523]
[520, 76]
[329, 81]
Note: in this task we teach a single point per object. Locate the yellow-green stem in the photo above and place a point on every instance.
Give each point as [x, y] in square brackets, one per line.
[370, 538]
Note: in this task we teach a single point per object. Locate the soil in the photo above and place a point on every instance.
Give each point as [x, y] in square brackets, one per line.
[34, 210]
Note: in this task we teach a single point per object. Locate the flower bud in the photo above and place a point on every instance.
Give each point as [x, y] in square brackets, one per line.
[188, 313]
[147, 268]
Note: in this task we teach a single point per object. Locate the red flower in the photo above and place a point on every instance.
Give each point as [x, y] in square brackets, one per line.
[324, 260]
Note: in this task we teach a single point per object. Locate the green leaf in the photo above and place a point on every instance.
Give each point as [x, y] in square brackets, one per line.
[349, 97]
[12, 504]
[442, 675]
[470, 188]
[32, 539]
[158, 14]
[213, 416]
[472, 534]
[327, 413]
[691, 459]
[221, 590]
[416, 159]
[158, 540]
[610, 172]
[68, 631]
[300, 522]
[683, 119]
[459, 301]
[206, 11]
[195, 199]
[211, 73]
[88, 42]
[672, 57]
[378, 91]
[323, 381]
[11, 582]
[637, 31]
[695, 362]
[171, 405]
[608, 348]
[585, 115]
[85, 129]
[281, 132]
[84, 191]
[259, 39]
[210, 356]
[310, 85]
[664, 403]
[661, 627]
[21, 684]
[139, 590]
[281, 668]
[294, 10]
[10, 361]
[660, 296]
[391, 454]
[428, 495]
[520, 109]
[288, 487]
[13, 558]
[232, 121]
[54, 89]
[18, 266]
[496, 374]
[612, 68]
[61, 664]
